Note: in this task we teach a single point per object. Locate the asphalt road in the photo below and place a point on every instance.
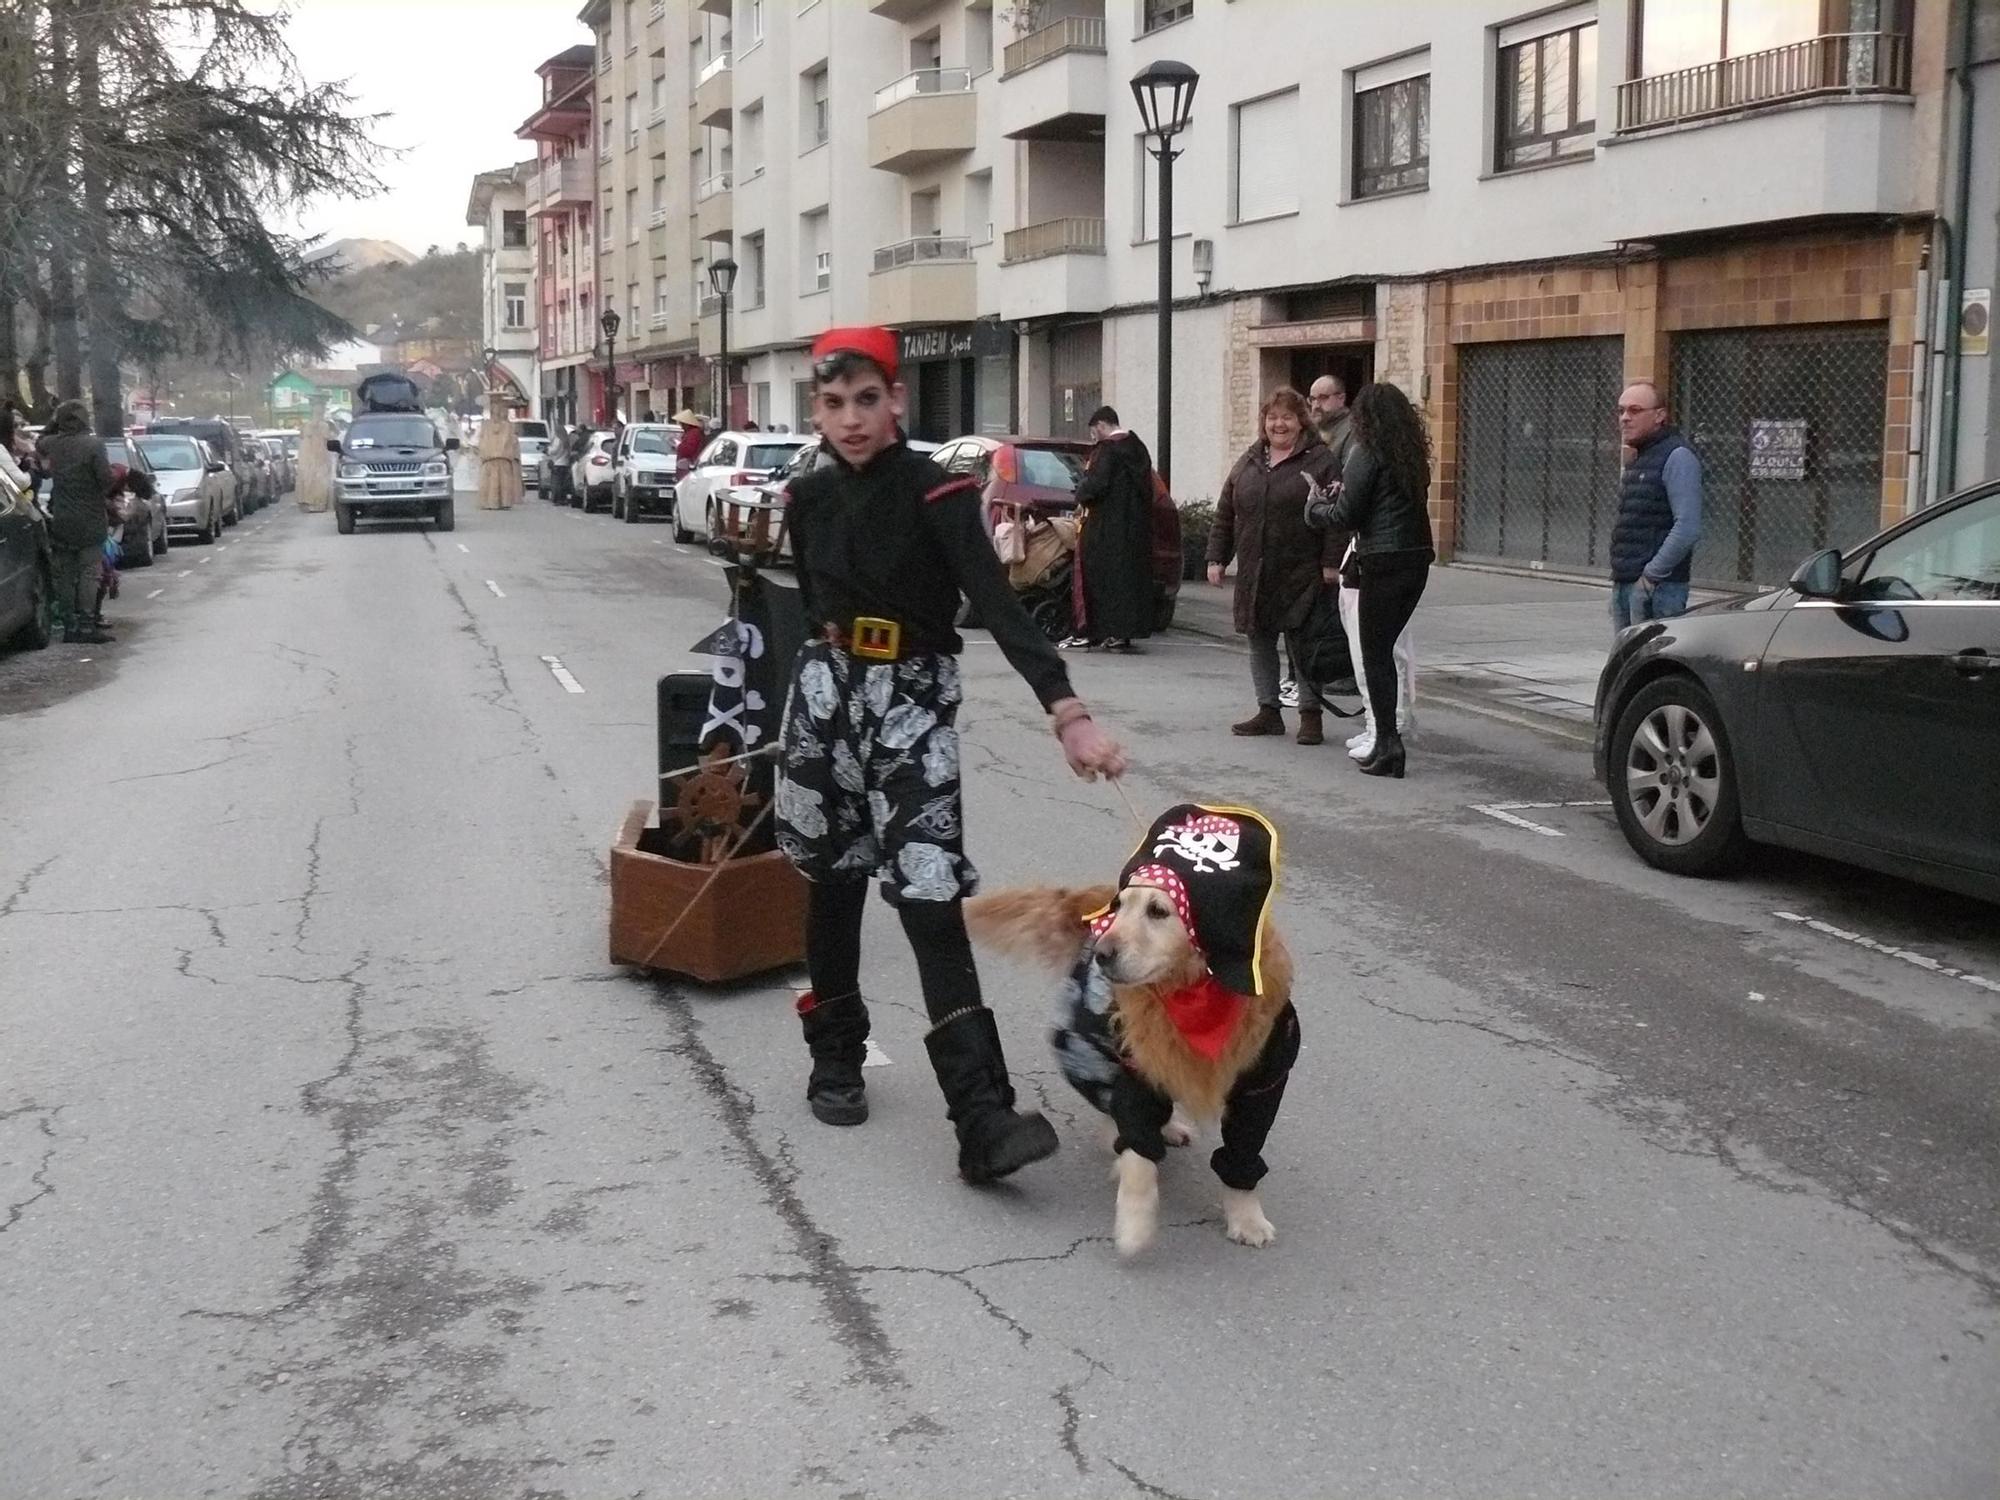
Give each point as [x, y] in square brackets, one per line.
[336, 1160]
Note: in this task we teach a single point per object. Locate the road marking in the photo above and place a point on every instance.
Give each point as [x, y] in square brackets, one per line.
[187, 574]
[1889, 950]
[876, 1057]
[463, 548]
[156, 593]
[562, 674]
[490, 584]
[223, 548]
[1496, 810]
[209, 558]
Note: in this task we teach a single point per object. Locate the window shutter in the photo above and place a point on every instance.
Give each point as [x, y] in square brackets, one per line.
[1267, 156]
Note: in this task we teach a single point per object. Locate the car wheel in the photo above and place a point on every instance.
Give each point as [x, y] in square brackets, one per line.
[343, 518]
[631, 512]
[1163, 612]
[618, 503]
[41, 626]
[681, 533]
[143, 558]
[160, 543]
[1672, 780]
[445, 517]
[209, 527]
[1051, 615]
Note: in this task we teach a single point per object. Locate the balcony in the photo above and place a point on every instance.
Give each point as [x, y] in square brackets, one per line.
[563, 184]
[659, 319]
[1865, 62]
[713, 204]
[657, 11]
[929, 279]
[1054, 84]
[715, 93]
[922, 118]
[714, 8]
[901, 10]
[1053, 267]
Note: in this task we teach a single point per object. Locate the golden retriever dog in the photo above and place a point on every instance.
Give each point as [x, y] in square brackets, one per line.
[1146, 954]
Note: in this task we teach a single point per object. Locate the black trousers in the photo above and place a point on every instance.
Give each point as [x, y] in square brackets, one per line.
[1389, 595]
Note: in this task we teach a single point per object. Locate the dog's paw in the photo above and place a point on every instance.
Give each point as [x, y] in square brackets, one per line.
[1179, 1130]
[1138, 1214]
[1244, 1221]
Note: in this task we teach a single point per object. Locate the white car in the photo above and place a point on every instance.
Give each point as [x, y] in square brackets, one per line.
[731, 458]
[193, 483]
[590, 474]
[644, 471]
[532, 449]
[743, 502]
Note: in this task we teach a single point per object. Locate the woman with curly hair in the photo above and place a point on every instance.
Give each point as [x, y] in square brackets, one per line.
[1383, 500]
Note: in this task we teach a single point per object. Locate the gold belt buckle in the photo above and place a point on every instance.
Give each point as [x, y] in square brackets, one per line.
[877, 640]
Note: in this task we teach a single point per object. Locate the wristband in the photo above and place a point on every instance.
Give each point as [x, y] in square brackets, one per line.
[1075, 715]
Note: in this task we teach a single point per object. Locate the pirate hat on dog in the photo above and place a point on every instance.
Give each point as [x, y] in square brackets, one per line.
[1220, 865]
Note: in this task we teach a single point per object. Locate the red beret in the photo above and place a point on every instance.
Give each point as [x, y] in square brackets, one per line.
[876, 344]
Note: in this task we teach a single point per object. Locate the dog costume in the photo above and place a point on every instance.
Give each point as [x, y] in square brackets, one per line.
[1219, 866]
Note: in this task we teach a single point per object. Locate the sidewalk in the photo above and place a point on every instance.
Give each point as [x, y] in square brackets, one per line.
[1529, 647]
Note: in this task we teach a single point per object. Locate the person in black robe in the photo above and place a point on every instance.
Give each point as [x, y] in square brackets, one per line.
[1116, 556]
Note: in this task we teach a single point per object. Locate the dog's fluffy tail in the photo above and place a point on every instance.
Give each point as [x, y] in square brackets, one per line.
[1042, 923]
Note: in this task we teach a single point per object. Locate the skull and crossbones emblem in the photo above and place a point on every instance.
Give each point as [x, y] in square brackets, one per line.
[1210, 845]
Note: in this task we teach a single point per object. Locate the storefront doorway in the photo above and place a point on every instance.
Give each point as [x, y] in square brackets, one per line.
[1353, 363]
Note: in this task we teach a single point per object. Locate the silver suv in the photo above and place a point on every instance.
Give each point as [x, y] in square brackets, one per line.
[392, 463]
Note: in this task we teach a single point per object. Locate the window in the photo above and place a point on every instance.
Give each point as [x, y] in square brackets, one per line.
[631, 216]
[760, 407]
[1154, 14]
[979, 40]
[979, 207]
[698, 279]
[1392, 137]
[925, 211]
[659, 93]
[660, 296]
[604, 134]
[1146, 207]
[1546, 88]
[750, 125]
[695, 63]
[815, 117]
[632, 306]
[607, 225]
[1687, 33]
[514, 228]
[816, 255]
[659, 195]
[1952, 559]
[753, 270]
[1265, 134]
[756, 19]
[631, 26]
[515, 294]
[632, 121]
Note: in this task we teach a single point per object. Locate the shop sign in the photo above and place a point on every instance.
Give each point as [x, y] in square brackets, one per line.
[1975, 321]
[1778, 448]
[953, 341]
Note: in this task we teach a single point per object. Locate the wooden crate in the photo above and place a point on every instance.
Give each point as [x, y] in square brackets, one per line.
[751, 920]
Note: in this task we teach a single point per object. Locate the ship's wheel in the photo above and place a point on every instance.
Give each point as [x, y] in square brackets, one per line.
[712, 802]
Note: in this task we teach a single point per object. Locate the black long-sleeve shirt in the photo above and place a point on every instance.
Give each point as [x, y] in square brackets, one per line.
[900, 540]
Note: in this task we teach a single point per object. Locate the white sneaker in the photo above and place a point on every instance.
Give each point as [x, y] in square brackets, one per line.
[1358, 738]
[1362, 748]
[1288, 693]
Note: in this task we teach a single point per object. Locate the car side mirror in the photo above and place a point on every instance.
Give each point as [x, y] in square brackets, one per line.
[1818, 577]
[450, 445]
[333, 445]
[214, 468]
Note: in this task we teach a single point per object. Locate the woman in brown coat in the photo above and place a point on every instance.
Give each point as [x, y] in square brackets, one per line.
[1281, 563]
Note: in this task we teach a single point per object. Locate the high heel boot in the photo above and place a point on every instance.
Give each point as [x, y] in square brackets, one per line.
[1387, 759]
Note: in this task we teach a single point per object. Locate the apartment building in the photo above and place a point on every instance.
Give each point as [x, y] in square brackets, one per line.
[498, 208]
[562, 206]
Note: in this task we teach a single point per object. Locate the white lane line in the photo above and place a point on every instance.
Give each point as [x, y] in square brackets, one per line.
[189, 573]
[1532, 806]
[463, 548]
[562, 674]
[495, 588]
[1890, 950]
[1494, 810]
[223, 548]
[209, 558]
[156, 593]
[876, 1057]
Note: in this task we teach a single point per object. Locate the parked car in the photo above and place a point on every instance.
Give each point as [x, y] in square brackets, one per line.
[239, 496]
[192, 481]
[739, 506]
[27, 591]
[590, 472]
[143, 536]
[283, 448]
[644, 471]
[532, 449]
[730, 459]
[1041, 474]
[1854, 713]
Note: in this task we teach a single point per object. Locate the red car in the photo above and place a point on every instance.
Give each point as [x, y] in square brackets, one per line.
[1041, 474]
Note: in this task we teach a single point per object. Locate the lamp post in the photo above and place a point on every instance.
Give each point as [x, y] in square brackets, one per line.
[1165, 92]
[722, 276]
[609, 323]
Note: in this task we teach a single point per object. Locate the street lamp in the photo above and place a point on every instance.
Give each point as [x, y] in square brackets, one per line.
[1165, 92]
[609, 323]
[722, 276]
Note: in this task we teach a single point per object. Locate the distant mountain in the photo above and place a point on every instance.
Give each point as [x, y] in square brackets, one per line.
[361, 255]
[431, 297]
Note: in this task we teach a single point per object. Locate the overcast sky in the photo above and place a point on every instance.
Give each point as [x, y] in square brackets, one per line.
[454, 78]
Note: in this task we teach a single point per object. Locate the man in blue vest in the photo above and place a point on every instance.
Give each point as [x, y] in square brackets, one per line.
[1659, 512]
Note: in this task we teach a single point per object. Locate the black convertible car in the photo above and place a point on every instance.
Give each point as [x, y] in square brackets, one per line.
[1854, 713]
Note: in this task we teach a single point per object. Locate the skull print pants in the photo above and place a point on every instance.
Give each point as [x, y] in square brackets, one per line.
[868, 783]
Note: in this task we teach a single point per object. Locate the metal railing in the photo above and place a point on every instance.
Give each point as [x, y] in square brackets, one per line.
[1053, 237]
[565, 178]
[711, 187]
[657, 11]
[657, 219]
[604, 62]
[710, 304]
[659, 319]
[923, 250]
[715, 68]
[657, 115]
[1858, 62]
[922, 82]
[1070, 34]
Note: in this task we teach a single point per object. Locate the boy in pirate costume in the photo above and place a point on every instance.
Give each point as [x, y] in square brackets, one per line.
[868, 785]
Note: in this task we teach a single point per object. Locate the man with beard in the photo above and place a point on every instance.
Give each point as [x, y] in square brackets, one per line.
[1116, 551]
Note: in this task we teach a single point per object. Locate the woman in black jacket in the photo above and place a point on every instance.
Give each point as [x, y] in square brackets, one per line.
[1383, 499]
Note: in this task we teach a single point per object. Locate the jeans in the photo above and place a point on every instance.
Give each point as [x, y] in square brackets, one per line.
[76, 572]
[1406, 685]
[1630, 604]
[1264, 671]
[1388, 599]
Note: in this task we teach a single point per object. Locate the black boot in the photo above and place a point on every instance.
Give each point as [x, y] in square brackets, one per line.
[992, 1139]
[87, 635]
[837, 1033]
[1387, 759]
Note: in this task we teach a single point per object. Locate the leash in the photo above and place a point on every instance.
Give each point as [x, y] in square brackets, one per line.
[1118, 786]
[714, 875]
